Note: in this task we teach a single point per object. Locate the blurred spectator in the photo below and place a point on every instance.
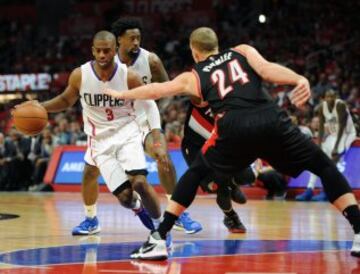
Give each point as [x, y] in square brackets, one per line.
[63, 133]
[314, 126]
[43, 150]
[78, 136]
[173, 133]
[18, 150]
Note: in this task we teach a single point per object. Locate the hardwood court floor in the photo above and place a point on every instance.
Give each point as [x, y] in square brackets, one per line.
[282, 237]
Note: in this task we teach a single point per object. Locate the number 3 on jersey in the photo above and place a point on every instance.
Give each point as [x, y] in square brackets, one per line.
[236, 73]
[109, 114]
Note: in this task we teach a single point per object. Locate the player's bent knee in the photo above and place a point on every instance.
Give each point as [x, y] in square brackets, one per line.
[140, 185]
[126, 198]
[335, 184]
[124, 194]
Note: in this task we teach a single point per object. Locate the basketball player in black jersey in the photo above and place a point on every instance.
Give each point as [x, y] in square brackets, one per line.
[248, 125]
[198, 126]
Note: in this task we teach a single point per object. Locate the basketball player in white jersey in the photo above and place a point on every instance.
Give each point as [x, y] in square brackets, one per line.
[150, 68]
[114, 137]
[336, 134]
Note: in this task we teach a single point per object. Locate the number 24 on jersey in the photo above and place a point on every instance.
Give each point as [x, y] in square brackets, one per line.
[235, 74]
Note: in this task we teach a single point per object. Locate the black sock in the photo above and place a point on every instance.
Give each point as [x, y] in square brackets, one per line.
[166, 225]
[230, 213]
[352, 214]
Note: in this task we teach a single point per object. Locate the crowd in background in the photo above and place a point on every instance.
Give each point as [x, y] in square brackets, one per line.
[318, 39]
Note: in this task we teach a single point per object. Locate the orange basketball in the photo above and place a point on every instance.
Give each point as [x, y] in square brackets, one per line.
[30, 119]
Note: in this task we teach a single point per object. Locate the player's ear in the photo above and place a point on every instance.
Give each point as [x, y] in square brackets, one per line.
[93, 51]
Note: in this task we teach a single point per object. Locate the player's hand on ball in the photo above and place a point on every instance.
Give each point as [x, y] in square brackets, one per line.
[30, 102]
[301, 93]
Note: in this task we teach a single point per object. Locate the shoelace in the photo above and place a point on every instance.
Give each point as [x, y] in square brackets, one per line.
[185, 217]
[86, 224]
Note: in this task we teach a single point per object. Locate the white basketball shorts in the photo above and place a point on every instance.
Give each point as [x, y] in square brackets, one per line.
[117, 155]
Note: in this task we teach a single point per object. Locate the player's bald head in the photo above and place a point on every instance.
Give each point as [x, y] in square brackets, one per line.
[104, 35]
[204, 39]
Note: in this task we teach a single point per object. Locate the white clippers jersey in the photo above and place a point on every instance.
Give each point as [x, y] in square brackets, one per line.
[142, 66]
[102, 114]
[332, 119]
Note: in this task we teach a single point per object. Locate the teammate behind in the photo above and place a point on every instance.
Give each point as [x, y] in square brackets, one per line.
[150, 68]
[248, 125]
[336, 134]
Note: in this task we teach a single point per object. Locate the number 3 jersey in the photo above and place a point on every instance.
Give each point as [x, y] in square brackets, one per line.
[226, 81]
[103, 115]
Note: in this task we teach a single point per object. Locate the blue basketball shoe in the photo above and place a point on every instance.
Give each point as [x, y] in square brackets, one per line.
[87, 227]
[187, 224]
[305, 196]
[169, 242]
[321, 197]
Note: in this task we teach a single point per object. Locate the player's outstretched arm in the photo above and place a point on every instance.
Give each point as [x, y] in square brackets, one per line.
[185, 84]
[277, 74]
[69, 96]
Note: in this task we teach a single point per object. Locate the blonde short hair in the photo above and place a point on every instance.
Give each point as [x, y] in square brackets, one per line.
[204, 39]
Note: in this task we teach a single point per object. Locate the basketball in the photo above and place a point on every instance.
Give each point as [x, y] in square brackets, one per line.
[30, 119]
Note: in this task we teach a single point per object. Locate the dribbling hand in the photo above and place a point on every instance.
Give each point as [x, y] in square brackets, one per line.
[301, 93]
[30, 102]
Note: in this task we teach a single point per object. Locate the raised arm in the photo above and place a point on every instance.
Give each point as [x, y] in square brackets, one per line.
[185, 84]
[70, 95]
[277, 74]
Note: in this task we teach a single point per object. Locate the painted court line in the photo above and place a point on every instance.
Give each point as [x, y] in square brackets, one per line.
[119, 271]
[260, 272]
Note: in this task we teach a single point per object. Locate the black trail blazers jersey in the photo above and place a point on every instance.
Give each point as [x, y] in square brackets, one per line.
[199, 124]
[226, 81]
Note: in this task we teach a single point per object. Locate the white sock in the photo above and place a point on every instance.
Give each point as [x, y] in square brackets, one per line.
[90, 211]
[312, 181]
[137, 204]
[157, 222]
